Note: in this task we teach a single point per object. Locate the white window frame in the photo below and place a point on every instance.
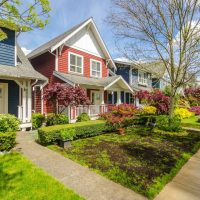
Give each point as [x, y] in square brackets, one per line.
[92, 60]
[144, 80]
[69, 64]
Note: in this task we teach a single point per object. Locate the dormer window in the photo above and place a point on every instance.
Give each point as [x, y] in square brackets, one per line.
[142, 78]
[75, 63]
[95, 68]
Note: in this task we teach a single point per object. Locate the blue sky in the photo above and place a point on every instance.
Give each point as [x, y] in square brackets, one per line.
[67, 13]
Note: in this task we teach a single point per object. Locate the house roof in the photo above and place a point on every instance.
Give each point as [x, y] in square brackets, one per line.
[23, 69]
[156, 67]
[56, 42]
[105, 82]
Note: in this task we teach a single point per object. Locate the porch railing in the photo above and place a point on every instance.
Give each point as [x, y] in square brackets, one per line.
[91, 110]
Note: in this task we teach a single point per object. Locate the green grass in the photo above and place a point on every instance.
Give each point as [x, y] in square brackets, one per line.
[142, 161]
[21, 180]
[191, 122]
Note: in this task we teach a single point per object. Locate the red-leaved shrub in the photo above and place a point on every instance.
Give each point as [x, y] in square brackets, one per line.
[195, 109]
[193, 96]
[118, 114]
[155, 98]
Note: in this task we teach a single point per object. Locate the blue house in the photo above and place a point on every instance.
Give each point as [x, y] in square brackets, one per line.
[17, 77]
[141, 76]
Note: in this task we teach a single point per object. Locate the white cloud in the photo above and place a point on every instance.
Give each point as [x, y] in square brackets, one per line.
[25, 50]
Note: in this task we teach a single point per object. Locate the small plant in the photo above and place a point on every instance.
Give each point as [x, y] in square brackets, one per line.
[83, 117]
[67, 134]
[165, 123]
[149, 110]
[8, 123]
[183, 113]
[37, 120]
[56, 119]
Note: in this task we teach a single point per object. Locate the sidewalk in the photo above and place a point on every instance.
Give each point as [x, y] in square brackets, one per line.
[186, 184]
[80, 179]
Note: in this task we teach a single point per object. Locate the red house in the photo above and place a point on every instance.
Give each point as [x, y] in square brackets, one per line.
[79, 57]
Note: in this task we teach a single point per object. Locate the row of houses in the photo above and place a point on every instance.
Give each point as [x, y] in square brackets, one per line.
[77, 57]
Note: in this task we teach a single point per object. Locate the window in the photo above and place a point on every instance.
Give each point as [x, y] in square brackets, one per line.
[95, 67]
[142, 78]
[76, 63]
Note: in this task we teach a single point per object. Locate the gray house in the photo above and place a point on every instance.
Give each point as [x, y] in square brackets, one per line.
[17, 77]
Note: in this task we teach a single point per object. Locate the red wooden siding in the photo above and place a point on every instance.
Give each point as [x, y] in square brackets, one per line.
[63, 65]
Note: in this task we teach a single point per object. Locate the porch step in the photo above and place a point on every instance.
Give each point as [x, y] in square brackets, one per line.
[25, 126]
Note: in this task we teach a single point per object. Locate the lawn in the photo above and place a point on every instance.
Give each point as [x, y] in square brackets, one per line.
[21, 180]
[191, 122]
[140, 160]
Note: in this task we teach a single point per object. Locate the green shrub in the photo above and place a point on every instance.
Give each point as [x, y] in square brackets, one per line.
[7, 140]
[67, 134]
[51, 134]
[37, 120]
[83, 117]
[56, 119]
[166, 123]
[8, 123]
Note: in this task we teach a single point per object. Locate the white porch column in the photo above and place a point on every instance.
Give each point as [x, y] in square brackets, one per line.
[29, 101]
[24, 88]
[119, 97]
[102, 96]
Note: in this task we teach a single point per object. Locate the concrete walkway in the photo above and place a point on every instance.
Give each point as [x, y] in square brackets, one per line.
[80, 179]
[186, 185]
[197, 130]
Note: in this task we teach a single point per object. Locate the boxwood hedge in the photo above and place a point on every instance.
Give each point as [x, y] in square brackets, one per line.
[50, 134]
[7, 140]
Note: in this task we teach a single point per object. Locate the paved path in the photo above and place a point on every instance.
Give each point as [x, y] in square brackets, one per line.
[186, 184]
[192, 129]
[82, 180]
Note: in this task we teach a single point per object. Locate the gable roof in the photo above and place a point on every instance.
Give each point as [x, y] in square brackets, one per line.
[53, 44]
[24, 69]
[104, 82]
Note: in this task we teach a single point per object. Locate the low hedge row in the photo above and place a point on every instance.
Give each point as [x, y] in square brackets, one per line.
[7, 140]
[50, 134]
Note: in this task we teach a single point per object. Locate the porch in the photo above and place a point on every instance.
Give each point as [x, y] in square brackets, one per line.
[15, 99]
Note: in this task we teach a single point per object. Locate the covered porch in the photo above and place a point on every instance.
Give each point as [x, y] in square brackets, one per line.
[103, 93]
[15, 99]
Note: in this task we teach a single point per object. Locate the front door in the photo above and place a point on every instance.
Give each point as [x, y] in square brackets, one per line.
[96, 97]
[3, 98]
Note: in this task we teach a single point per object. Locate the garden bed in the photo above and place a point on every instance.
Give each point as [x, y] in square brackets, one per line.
[20, 180]
[191, 122]
[140, 160]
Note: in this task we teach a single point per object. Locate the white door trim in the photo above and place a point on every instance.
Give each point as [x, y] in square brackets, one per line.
[5, 95]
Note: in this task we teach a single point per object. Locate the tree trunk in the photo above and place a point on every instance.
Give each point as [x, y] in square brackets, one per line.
[172, 102]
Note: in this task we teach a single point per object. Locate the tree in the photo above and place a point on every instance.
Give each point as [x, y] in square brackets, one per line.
[167, 31]
[23, 15]
[65, 95]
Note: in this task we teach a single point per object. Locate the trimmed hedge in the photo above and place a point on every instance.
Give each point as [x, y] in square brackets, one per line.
[51, 134]
[8, 123]
[37, 120]
[7, 140]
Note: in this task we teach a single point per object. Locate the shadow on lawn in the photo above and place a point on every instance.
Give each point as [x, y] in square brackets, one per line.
[9, 177]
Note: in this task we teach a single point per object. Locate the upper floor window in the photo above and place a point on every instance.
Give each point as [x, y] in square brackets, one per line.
[76, 63]
[142, 78]
[95, 68]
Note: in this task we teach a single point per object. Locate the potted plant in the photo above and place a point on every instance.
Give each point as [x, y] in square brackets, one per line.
[65, 137]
